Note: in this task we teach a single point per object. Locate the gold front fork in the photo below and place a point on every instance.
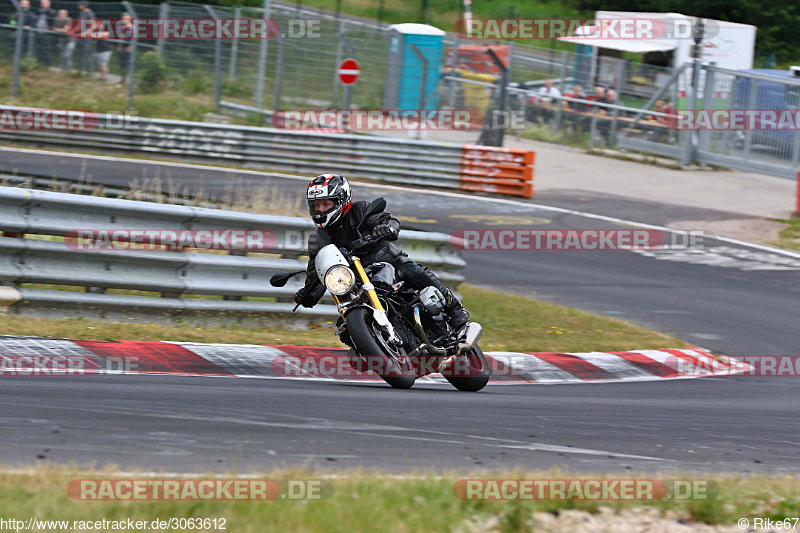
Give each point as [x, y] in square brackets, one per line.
[371, 295]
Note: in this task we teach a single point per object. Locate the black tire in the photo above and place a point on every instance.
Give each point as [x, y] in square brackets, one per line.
[479, 370]
[359, 326]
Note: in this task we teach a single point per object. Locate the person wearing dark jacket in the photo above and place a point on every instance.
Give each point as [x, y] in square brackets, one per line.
[84, 40]
[44, 38]
[337, 218]
[27, 19]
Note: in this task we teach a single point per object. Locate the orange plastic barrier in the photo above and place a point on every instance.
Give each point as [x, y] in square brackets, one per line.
[497, 170]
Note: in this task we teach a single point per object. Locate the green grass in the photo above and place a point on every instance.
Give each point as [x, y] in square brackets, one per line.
[56, 90]
[444, 13]
[790, 236]
[545, 133]
[370, 501]
[511, 323]
[60, 90]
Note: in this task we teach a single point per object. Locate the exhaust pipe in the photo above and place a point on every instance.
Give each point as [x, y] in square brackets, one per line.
[433, 350]
[472, 334]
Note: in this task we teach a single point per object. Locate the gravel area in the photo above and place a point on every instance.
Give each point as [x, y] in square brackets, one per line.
[635, 520]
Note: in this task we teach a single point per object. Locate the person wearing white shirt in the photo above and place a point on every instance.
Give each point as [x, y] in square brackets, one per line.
[548, 92]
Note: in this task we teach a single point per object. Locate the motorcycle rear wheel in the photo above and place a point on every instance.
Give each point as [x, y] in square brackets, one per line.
[479, 371]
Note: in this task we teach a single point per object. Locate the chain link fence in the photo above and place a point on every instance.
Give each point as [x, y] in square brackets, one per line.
[297, 69]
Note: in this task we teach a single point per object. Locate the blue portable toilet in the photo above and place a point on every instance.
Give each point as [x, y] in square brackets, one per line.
[404, 68]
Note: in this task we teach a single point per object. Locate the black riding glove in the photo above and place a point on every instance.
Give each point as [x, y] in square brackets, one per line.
[309, 295]
[383, 230]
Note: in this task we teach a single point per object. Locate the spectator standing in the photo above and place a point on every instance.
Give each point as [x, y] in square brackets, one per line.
[102, 51]
[44, 39]
[125, 48]
[28, 21]
[64, 43]
[84, 42]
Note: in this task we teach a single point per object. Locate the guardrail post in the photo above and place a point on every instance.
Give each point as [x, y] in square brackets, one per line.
[276, 97]
[339, 46]
[691, 105]
[797, 208]
[423, 84]
[262, 60]
[17, 50]
[348, 90]
[132, 56]
[237, 14]
[217, 65]
[31, 42]
[492, 135]
[592, 127]
[748, 135]
[562, 87]
[163, 13]
[708, 103]
[452, 84]
[612, 135]
[796, 152]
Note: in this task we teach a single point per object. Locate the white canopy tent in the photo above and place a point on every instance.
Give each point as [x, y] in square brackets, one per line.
[639, 46]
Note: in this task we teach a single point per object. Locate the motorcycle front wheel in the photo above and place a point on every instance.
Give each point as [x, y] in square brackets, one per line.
[370, 342]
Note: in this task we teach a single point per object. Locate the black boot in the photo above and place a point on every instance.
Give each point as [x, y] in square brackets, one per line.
[458, 315]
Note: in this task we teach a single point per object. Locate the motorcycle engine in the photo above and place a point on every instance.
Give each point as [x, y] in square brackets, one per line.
[432, 299]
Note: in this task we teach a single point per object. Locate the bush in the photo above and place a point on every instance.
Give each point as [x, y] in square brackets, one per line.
[151, 72]
[27, 64]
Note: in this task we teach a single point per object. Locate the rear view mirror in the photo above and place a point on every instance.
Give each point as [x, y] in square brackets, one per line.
[279, 280]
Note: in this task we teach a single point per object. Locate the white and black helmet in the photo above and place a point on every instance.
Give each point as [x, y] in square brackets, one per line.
[329, 187]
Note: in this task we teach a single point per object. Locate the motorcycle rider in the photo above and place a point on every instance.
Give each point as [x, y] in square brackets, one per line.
[337, 218]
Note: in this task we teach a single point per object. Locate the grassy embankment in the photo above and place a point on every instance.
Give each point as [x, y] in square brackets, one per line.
[511, 323]
[369, 502]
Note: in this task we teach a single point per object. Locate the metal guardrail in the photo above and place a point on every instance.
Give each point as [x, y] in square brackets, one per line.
[169, 273]
[382, 158]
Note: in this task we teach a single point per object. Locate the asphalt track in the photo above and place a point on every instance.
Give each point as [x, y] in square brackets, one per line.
[731, 424]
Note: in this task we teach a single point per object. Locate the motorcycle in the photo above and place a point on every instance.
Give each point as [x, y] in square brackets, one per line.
[400, 334]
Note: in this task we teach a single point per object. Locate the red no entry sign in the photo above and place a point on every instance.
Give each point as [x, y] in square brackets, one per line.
[348, 71]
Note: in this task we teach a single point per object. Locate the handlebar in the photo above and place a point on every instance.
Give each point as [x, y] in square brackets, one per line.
[362, 243]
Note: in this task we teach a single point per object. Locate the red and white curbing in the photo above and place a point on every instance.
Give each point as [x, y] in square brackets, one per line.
[45, 356]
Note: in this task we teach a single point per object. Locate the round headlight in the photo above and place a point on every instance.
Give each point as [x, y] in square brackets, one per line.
[339, 280]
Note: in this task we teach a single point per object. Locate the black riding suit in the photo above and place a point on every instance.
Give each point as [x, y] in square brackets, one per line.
[344, 233]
